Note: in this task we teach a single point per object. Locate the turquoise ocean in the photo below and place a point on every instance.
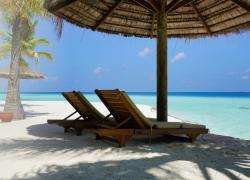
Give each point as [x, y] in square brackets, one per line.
[223, 113]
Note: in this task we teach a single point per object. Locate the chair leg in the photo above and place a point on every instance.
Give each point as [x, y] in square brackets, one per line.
[122, 140]
[193, 136]
[66, 129]
[78, 132]
[97, 137]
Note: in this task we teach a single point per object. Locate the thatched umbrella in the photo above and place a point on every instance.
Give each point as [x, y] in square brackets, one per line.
[25, 73]
[157, 18]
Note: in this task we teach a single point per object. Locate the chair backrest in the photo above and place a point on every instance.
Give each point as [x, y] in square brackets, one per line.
[82, 105]
[137, 114]
[122, 107]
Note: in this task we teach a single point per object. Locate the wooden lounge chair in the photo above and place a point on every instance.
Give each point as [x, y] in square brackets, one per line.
[135, 123]
[89, 116]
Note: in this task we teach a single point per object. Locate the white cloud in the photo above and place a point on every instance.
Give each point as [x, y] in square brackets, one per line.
[245, 77]
[179, 56]
[99, 70]
[145, 52]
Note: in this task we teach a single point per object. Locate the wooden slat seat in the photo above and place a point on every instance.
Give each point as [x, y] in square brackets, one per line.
[89, 116]
[137, 123]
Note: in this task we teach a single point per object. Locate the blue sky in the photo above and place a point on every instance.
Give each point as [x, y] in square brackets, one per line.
[86, 60]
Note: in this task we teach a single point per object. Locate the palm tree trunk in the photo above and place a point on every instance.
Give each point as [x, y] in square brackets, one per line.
[20, 31]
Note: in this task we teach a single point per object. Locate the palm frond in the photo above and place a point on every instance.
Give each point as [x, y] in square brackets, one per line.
[23, 62]
[26, 45]
[5, 48]
[29, 53]
[58, 22]
[45, 55]
[3, 34]
[4, 56]
[39, 41]
[6, 36]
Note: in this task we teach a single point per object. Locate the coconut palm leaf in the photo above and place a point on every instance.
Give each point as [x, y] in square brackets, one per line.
[38, 41]
[26, 45]
[3, 34]
[5, 48]
[7, 37]
[58, 22]
[4, 56]
[23, 62]
[45, 55]
[29, 53]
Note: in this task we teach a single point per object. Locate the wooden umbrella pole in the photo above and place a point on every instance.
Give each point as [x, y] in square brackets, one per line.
[162, 62]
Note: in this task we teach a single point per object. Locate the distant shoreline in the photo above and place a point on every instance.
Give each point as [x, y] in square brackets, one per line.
[192, 94]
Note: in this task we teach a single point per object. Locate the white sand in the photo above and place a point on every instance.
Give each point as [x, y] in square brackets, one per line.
[31, 149]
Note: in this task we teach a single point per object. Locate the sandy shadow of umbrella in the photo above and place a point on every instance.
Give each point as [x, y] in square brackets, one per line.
[223, 155]
[227, 156]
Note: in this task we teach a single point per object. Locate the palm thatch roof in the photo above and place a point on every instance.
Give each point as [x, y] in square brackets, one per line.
[24, 73]
[185, 18]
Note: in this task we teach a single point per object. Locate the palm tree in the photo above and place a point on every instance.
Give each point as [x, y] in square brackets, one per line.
[19, 15]
[27, 51]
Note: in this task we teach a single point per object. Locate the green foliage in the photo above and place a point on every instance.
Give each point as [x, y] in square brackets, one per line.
[27, 48]
[46, 55]
[24, 8]
[29, 9]
[4, 50]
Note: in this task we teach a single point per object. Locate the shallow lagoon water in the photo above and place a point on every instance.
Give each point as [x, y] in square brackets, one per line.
[223, 113]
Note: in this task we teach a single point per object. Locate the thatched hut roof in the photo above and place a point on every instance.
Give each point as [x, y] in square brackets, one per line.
[24, 73]
[186, 18]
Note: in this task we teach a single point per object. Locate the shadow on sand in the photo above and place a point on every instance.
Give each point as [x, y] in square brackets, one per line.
[30, 114]
[228, 161]
[26, 105]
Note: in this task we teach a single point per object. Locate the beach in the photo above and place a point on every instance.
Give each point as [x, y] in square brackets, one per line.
[183, 61]
[32, 149]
